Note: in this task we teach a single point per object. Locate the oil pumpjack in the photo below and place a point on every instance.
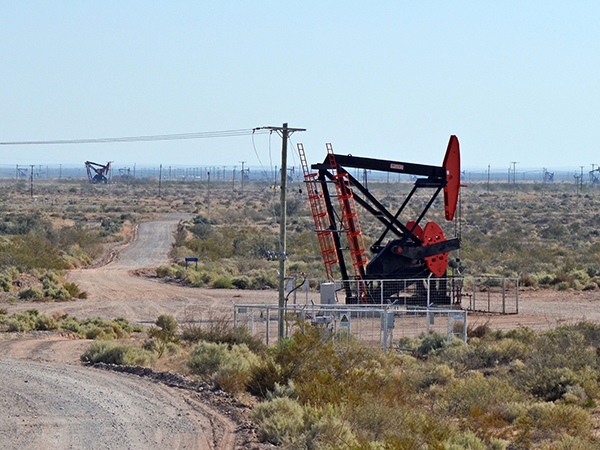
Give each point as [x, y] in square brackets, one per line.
[414, 252]
[97, 173]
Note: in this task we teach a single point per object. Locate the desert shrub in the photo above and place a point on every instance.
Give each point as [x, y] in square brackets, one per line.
[431, 344]
[101, 329]
[7, 276]
[241, 282]
[485, 353]
[374, 422]
[173, 348]
[568, 442]
[72, 289]
[550, 420]
[476, 394]
[228, 367]
[559, 360]
[436, 374]
[92, 331]
[167, 272]
[23, 321]
[467, 440]
[31, 294]
[28, 252]
[124, 324]
[57, 293]
[222, 283]
[168, 325]
[326, 370]
[221, 330]
[71, 324]
[45, 323]
[51, 279]
[113, 353]
[285, 422]
[262, 279]
[162, 335]
[265, 379]
[478, 331]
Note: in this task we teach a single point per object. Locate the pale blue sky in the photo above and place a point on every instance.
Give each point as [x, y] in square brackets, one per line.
[515, 81]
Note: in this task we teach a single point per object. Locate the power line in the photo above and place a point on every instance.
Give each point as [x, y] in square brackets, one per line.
[157, 137]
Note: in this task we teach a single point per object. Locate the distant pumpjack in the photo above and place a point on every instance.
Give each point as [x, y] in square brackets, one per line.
[97, 173]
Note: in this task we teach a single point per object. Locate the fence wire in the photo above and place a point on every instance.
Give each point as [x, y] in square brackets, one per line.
[382, 327]
[492, 295]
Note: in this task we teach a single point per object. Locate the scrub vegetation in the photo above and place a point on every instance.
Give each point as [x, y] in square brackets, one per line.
[518, 389]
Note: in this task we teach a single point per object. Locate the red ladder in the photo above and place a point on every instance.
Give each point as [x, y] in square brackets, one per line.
[320, 215]
[349, 217]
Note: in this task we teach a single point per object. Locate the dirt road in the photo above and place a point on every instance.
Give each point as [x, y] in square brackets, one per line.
[48, 400]
[113, 291]
[54, 406]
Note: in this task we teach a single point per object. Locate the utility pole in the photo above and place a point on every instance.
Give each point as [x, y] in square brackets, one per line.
[31, 180]
[159, 179]
[488, 179]
[208, 196]
[514, 164]
[233, 179]
[285, 133]
[243, 162]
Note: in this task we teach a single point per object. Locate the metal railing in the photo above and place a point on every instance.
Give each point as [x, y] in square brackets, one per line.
[374, 325]
[494, 295]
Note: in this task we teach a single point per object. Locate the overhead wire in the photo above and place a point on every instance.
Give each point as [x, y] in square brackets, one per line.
[258, 157]
[156, 137]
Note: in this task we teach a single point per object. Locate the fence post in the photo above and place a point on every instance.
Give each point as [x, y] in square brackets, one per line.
[517, 311]
[474, 289]
[268, 320]
[234, 316]
[252, 322]
[384, 328]
[503, 295]
[428, 293]
[381, 289]
[449, 330]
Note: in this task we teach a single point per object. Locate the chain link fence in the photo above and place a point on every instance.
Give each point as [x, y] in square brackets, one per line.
[492, 295]
[378, 326]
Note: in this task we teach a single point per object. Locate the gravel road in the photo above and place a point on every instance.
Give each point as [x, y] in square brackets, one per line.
[59, 407]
